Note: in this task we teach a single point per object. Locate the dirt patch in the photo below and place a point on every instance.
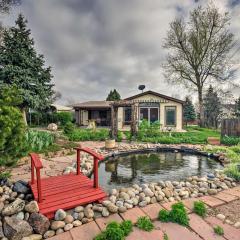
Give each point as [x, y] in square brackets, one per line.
[231, 211]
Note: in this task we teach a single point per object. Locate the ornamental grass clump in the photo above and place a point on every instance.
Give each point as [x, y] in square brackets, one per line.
[177, 214]
[218, 230]
[199, 208]
[145, 224]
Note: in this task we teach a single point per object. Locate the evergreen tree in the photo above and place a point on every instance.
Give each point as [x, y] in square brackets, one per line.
[22, 67]
[189, 113]
[237, 108]
[113, 96]
[212, 108]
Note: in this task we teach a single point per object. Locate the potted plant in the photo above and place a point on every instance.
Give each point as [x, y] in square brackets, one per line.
[110, 142]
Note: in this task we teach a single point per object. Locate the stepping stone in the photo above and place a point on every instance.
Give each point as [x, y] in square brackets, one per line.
[103, 221]
[133, 214]
[211, 201]
[87, 231]
[226, 197]
[152, 210]
[230, 232]
[139, 234]
[202, 228]
[168, 206]
[189, 203]
[62, 236]
[176, 231]
[234, 192]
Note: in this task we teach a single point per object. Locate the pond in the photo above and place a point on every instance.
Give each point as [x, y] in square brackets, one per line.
[124, 171]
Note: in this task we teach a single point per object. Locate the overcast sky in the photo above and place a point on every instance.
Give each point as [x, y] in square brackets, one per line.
[97, 45]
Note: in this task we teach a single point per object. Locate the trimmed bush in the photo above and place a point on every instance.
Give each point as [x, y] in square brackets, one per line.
[163, 215]
[63, 117]
[199, 208]
[68, 128]
[145, 224]
[127, 227]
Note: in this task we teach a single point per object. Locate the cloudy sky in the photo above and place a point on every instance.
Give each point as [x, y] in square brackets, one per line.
[97, 45]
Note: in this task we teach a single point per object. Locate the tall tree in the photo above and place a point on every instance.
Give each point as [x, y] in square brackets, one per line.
[189, 113]
[22, 67]
[200, 51]
[113, 96]
[5, 5]
[237, 108]
[212, 108]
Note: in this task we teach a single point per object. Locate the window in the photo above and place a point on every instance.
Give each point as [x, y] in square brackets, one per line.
[127, 115]
[150, 114]
[170, 116]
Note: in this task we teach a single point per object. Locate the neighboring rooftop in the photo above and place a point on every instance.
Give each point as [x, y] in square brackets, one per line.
[93, 104]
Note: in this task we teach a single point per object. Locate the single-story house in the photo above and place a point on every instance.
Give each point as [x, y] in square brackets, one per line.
[151, 106]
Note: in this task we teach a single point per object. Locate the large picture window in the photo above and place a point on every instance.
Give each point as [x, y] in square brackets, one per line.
[170, 116]
[127, 115]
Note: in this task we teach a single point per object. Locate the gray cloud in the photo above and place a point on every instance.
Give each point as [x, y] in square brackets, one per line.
[96, 45]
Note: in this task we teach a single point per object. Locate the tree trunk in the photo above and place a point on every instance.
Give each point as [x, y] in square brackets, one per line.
[23, 110]
[201, 110]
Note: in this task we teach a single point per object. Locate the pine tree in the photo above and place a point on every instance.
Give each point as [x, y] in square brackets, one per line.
[113, 96]
[22, 67]
[189, 113]
[237, 108]
[212, 108]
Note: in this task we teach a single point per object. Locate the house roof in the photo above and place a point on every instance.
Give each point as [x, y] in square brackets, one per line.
[93, 104]
[155, 94]
[61, 108]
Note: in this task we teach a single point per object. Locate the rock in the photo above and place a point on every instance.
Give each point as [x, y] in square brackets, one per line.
[14, 207]
[80, 216]
[33, 237]
[221, 216]
[49, 233]
[237, 225]
[79, 209]
[97, 208]
[113, 192]
[105, 212]
[143, 204]
[1, 232]
[122, 209]
[39, 223]
[60, 215]
[1, 206]
[212, 191]
[68, 219]
[167, 192]
[77, 223]
[15, 229]
[229, 222]
[124, 196]
[20, 187]
[119, 203]
[88, 212]
[203, 190]
[148, 192]
[57, 224]
[112, 208]
[52, 127]
[20, 215]
[32, 207]
[68, 227]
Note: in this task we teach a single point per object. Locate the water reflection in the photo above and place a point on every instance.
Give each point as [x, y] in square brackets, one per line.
[152, 167]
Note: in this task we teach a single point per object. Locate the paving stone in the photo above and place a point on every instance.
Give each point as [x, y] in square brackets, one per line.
[138, 234]
[103, 221]
[230, 232]
[211, 201]
[133, 214]
[62, 236]
[202, 228]
[152, 210]
[234, 192]
[226, 197]
[176, 231]
[189, 203]
[168, 205]
[86, 231]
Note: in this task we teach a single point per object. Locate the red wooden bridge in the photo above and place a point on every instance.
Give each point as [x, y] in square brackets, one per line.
[66, 191]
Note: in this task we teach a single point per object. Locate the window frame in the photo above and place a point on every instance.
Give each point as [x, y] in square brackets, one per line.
[175, 116]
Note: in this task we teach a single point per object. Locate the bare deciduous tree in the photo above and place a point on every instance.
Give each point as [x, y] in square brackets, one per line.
[200, 51]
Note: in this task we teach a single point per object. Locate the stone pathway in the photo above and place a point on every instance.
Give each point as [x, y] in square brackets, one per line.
[199, 229]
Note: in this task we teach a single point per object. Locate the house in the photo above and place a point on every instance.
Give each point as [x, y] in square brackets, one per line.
[151, 106]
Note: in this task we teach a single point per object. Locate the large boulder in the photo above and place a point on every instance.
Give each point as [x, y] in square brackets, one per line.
[39, 223]
[15, 229]
[52, 127]
[32, 207]
[14, 207]
[21, 187]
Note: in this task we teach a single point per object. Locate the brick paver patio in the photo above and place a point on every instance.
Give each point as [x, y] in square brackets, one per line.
[200, 229]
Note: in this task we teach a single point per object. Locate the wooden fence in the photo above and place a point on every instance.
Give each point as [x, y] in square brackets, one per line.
[230, 127]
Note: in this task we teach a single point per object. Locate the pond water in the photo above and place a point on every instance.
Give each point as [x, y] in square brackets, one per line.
[124, 171]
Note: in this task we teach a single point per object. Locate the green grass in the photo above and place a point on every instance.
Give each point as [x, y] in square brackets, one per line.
[218, 230]
[145, 224]
[165, 237]
[199, 208]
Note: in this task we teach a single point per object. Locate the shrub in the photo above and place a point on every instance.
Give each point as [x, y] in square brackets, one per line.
[68, 128]
[219, 230]
[119, 136]
[199, 208]
[177, 214]
[127, 227]
[12, 127]
[145, 224]
[165, 237]
[63, 117]
[232, 170]
[230, 140]
[163, 215]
